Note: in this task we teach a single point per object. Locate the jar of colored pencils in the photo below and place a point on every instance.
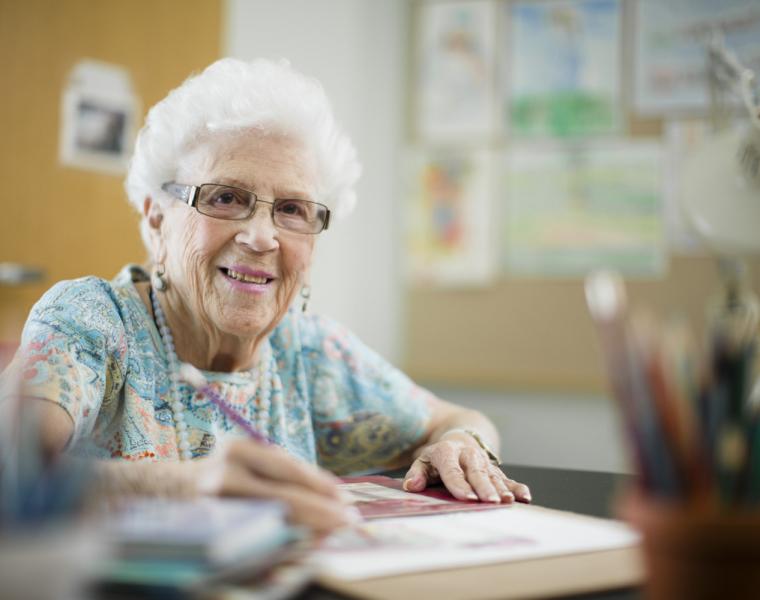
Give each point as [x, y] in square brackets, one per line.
[697, 552]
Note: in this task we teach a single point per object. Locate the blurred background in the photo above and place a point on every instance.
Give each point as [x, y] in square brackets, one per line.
[508, 149]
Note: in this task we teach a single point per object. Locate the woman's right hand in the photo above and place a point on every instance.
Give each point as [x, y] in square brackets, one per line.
[241, 468]
[249, 468]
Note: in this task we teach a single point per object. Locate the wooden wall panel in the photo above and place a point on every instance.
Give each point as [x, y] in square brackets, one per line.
[72, 222]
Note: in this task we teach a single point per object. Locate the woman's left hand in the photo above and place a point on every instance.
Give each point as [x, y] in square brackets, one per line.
[464, 468]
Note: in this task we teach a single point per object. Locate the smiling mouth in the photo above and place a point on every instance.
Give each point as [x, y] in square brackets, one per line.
[245, 278]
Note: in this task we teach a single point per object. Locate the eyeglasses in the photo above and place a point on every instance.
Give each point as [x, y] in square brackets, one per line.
[236, 204]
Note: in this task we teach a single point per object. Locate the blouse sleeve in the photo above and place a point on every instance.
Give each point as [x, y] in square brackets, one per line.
[71, 350]
[366, 413]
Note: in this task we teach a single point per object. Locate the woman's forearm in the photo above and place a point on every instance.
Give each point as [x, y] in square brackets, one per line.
[116, 479]
[463, 420]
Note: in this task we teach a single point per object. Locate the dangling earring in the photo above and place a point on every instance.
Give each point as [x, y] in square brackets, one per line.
[158, 279]
[305, 297]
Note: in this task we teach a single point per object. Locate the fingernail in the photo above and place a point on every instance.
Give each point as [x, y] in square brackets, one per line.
[411, 483]
[494, 498]
[471, 496]
[527, 497]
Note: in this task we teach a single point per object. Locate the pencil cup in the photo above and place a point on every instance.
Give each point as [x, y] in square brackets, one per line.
[697, 553]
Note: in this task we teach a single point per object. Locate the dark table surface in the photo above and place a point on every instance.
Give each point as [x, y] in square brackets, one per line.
[586, 492]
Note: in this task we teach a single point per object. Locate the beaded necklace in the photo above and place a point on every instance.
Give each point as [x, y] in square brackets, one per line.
[264, 377]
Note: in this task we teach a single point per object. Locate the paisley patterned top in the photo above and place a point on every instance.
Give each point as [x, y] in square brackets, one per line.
[92, 347]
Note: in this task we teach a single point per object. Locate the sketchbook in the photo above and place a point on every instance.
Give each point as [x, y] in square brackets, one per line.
[517, 551]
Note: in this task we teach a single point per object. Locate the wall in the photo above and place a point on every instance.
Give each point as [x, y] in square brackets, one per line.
[519, 333]
[564, 430]
[67, 221]
[356, 48]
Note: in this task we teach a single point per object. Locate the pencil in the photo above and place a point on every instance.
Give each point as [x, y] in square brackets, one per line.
[194, 377]
[605, 296]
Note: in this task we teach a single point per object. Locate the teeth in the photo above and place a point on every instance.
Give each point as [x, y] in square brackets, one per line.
[246, 278]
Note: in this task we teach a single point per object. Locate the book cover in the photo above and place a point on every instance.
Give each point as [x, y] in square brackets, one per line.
[377, 496]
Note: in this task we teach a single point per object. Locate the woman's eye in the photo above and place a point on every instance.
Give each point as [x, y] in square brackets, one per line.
[226, 198]
[292, 208]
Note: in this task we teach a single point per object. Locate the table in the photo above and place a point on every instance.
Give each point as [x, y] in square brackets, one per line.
[586, 492]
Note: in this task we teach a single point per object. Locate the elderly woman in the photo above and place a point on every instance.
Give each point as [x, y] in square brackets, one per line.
[236, 174]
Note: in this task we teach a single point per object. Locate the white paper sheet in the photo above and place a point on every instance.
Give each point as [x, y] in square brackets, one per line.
[570, 209]
[403, 545]
[455, 93]
[671, 49]
[450, 220]
[563, 70]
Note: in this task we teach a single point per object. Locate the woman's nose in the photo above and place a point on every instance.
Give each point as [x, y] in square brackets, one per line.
[258, 231]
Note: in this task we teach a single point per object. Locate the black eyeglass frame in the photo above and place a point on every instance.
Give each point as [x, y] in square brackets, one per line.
[189, 195]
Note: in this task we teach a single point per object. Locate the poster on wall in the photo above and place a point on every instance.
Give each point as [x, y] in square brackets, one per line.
[563, 68]
[98, 113]
[570, 210]
[454, 95]
[449, 227]
[671, 49]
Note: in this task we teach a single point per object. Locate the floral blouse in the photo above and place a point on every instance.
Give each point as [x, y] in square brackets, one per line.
[92, 347]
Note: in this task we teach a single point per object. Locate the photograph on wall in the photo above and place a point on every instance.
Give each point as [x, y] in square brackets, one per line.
[454, 95]
[569, 210]
[98, 114]
[449, 223]
[671, 39]
[562, 68]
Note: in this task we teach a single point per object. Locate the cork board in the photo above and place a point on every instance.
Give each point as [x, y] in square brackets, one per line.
[536, 334]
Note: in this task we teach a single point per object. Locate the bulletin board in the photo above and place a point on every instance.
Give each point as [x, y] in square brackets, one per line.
[68, 221]
[532, 331]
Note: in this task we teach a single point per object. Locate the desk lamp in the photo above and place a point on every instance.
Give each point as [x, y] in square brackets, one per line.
[721, 194]
[721, 187]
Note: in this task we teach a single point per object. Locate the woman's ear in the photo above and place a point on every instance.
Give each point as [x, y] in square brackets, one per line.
[152, 213]
[154, 217]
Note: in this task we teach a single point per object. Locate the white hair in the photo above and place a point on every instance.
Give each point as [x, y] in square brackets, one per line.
[231, 95]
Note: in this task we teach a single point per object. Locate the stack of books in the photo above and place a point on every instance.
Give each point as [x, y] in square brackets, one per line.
[175, 548]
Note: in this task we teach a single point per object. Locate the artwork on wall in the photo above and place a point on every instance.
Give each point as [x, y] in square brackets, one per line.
[454, 91]
[573, 209]
[671, 49]
[563, 67]
[98, 113]
[449, 227]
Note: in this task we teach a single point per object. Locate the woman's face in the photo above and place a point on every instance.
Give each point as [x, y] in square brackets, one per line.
[239, 277]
